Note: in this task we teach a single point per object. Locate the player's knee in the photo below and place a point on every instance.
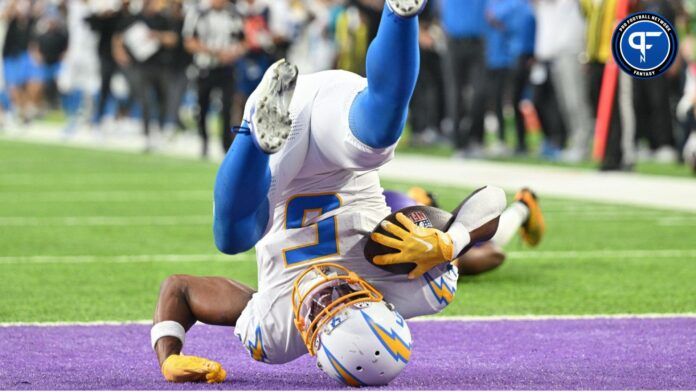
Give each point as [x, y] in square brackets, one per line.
[497, 197]
[497, 258]
[377, 121]
[480, 259]
[174, 285]
[230, 238]
[230, 246]
[237, 235]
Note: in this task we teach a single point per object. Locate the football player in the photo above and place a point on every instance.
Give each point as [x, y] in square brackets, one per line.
[523, 215]
[300, 184]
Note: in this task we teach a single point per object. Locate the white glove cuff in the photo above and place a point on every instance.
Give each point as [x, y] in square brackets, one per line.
[460, 237]
[167, 328]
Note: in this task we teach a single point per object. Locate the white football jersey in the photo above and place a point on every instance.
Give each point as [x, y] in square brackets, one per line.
[325, 192]
[325, 198]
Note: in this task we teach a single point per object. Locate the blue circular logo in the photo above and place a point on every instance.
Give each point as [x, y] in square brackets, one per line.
[644, 45]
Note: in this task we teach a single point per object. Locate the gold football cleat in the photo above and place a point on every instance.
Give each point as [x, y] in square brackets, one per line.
[186, 368]
[533, 229]
[421, 196]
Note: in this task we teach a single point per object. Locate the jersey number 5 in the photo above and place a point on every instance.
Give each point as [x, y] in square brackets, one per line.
[296, 215]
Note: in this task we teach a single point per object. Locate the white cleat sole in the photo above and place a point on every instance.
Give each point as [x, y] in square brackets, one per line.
[407, 8]
[271, 122]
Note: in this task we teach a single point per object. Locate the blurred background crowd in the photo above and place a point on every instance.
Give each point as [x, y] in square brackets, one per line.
[499, 78]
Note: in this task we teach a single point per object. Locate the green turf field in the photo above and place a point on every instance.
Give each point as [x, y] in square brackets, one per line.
[88, 235]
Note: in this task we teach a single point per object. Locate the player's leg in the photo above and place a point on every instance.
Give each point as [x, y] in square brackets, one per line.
[241, 210]
[187, 299]
[479, 259]
[378, 113]
[183, 300]
[474, 222]
[523, 215]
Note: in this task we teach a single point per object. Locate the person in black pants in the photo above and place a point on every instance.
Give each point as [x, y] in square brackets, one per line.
[464, 23]
[519, 86]
[149, 71]
[427, 104]
[652, 97]
[178, 60]
[549, 111]
[106, 24]
[215, 38]
[522, 46]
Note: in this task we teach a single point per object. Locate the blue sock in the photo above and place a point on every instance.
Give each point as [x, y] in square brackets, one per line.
[71, 102]
[241, 190]
[378, 114]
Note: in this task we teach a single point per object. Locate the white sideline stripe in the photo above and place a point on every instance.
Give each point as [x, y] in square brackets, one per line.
[22, 221]
[90, 259]
[79, 178]
[174, 220]
[104, 196]
[178, 258]
[417, 319]
[629, 253]
[73, 323]
[532, 317]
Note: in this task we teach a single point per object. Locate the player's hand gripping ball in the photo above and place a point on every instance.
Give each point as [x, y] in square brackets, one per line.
[187, 368]
[411, 241]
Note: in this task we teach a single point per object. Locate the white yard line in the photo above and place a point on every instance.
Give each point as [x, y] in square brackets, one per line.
[544, 317]
[677, 221]
[176, 220]
[178, 258]
[103, 178]
[104, 196]
[604, 254]
[120, 259]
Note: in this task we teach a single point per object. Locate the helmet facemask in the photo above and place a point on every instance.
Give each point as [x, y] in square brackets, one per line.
[321, 292]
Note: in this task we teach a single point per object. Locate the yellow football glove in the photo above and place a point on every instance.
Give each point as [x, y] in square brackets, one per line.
[426, 247]
[185, 368]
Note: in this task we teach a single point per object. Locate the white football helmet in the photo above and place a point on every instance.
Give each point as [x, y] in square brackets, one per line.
[358, 338]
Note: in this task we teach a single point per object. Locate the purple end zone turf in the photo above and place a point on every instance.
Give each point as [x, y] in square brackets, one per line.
[550, 354]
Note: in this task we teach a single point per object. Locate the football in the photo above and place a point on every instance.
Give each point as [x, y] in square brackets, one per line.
[423, 216]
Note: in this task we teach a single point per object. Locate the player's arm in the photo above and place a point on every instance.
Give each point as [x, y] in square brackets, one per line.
[240, 219]
[475, 220]
[183, 300]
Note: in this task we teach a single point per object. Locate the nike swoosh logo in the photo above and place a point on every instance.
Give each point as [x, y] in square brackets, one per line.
[427, 244]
